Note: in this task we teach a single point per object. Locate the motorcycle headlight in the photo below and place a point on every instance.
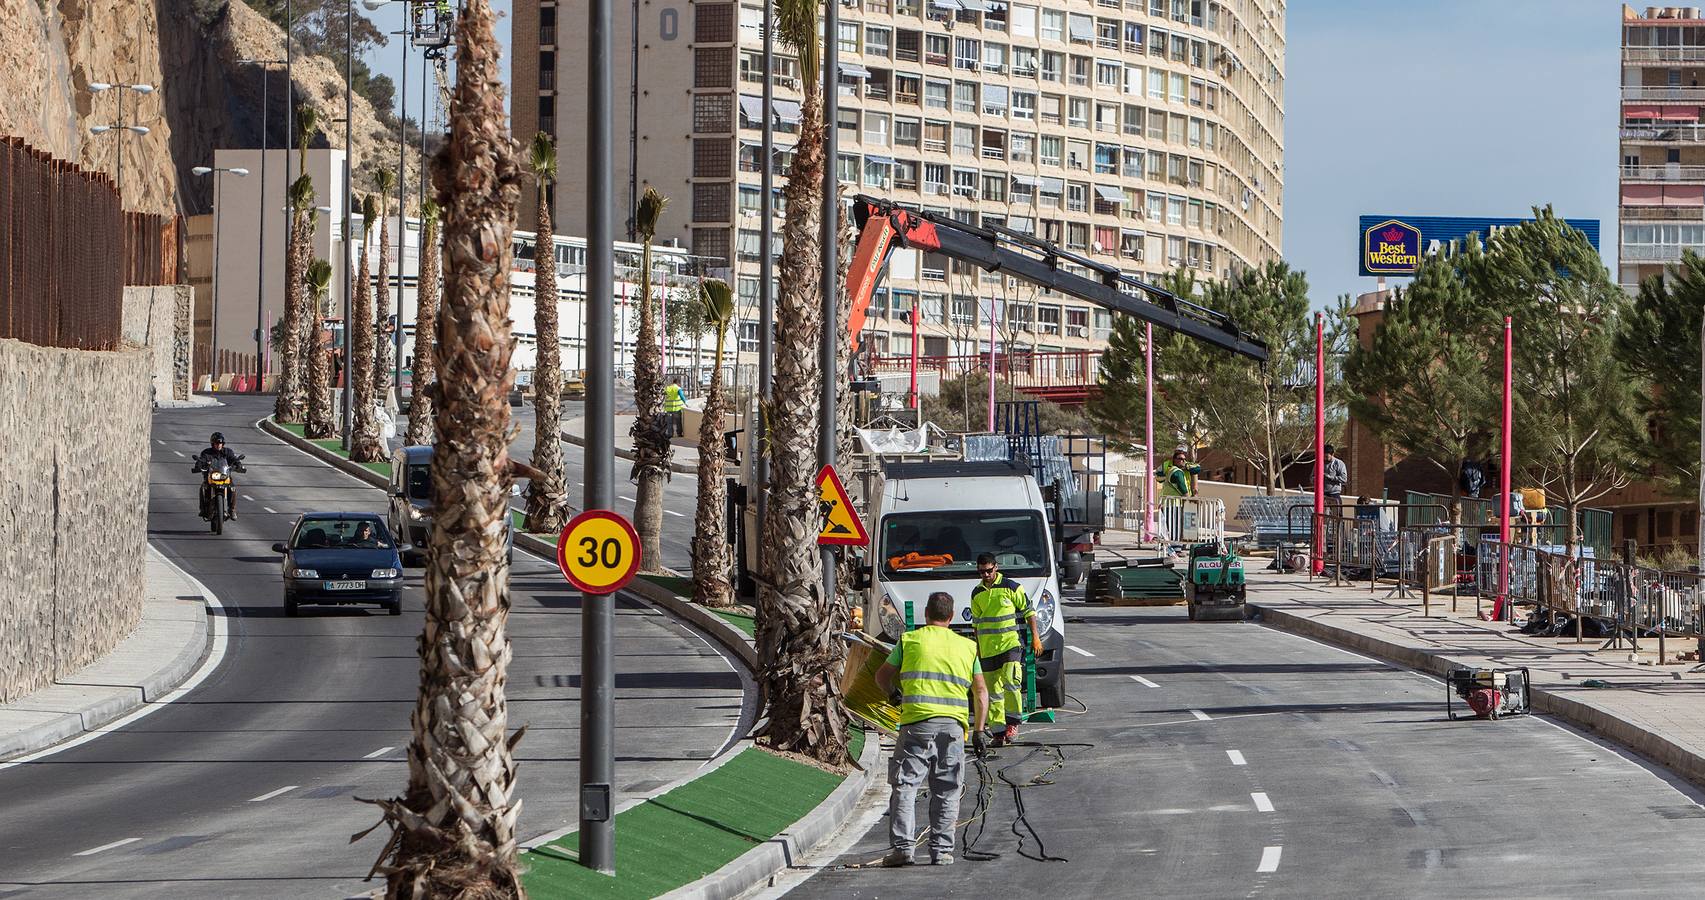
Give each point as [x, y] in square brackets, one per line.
[385, 573]
[304, 573]
[1045, 609]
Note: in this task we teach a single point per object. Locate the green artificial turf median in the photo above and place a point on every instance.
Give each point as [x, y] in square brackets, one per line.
[742, 622]
[691, 831]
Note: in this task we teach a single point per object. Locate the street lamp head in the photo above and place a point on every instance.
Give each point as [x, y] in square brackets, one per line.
[202, 170]
[142, 88]
[371, 5]
[239, 171]
[96, 87]
[136, 129]
[99, 129]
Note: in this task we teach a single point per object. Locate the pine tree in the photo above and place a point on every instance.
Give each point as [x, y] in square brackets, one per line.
[1657, 343]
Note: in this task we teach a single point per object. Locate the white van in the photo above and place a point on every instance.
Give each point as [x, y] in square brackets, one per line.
[928, 525]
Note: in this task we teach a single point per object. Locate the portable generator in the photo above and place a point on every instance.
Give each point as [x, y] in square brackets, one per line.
[1214, 587]
[1489, 693]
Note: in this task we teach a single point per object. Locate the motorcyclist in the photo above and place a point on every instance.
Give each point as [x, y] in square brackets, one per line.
[216, 450]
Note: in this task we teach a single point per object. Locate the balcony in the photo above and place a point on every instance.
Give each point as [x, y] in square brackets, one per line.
[1663, 213]
[547, 35]
[1662, 56]
[1672, 172]
[1665, 253]
[1663, 94]
[1664, 134]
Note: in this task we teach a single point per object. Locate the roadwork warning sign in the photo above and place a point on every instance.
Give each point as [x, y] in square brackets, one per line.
[841, 524]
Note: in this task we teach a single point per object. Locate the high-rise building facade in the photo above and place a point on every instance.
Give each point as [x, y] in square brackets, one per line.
[1145, 134]
[1662, 209]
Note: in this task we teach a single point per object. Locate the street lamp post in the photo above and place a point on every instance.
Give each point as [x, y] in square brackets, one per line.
[96, 87]
[213, 330]
[402, 194]
[260, 263]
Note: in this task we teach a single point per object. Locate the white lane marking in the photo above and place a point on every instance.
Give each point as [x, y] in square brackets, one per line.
[1144, 681]
[1262, 804]
[378, 753]
[271, 794]
[180, 453]
[1269, 859]
[676, 514]
[1079, 650]
[630, 499]
[270, 510]
[215, 655]
[248, 498]
[160, 442]
[1236, 757]
[105, 847]
[1201, 715]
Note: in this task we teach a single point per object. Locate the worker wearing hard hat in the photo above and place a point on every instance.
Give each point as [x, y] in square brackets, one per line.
[997, 605]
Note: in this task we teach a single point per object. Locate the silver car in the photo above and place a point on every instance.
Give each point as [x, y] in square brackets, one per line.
[409, 516]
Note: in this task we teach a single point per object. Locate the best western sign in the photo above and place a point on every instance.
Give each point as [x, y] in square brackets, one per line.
[1392, 245]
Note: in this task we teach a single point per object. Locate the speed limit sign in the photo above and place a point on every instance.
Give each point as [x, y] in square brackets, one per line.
[598, 551]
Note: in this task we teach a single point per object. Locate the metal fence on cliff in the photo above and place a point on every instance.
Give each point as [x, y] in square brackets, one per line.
[67, 250]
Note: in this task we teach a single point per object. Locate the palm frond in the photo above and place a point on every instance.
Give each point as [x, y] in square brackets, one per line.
[384, 180]
[650, 213]
[718, 301]
[797, 24]
[307, 124]
[541, 157]
[319, 278]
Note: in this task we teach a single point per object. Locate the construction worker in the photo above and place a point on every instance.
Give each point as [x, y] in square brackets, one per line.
[941, 694]
[1178, 475]
[674, 400]
[997, 605]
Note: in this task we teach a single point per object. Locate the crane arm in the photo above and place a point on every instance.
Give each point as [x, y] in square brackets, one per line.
[883, 225]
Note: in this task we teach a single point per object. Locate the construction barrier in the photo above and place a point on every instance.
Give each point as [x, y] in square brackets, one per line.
[1192, 520]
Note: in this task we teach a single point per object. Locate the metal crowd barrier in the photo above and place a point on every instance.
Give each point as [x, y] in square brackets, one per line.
[1192, 520]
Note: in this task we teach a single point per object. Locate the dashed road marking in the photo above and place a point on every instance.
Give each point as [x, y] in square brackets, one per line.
[1262, 803]
[248, 498]
[180, 453]
[1201, 715]
[1236, 757]
[630, 499]
[270, 510]
[1144, 681]
[160, 442]
[1079, 650]
[676, 514]
[378, 753]
[1269, 859]
[105, 847]
[271, 794]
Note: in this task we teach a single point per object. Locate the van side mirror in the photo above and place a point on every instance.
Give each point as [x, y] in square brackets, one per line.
[861, 578]
[279, 548]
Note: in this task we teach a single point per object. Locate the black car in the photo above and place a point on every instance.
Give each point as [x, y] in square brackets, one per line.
[336, 558]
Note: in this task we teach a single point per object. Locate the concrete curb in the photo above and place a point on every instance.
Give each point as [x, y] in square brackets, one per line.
[119, 696]
[337, 462]
[678, 467]
[759, 865]
[1687, 763]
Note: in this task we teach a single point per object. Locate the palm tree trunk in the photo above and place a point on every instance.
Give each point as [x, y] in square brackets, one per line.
[454, 831]
[711, 586]
[652, 429]
[382, 306]
[364, 444]
[321, 422]
[547, 496]
[291, 403]
[799, 652]
[425, 339]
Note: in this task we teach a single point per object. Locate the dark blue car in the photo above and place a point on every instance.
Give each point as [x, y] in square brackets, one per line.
[339, 558]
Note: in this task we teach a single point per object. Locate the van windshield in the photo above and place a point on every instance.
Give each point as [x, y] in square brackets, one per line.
[944, 544]
[420, 482]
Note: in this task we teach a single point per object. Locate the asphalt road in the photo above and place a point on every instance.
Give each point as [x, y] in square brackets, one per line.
[1230, 760]
[246, 786]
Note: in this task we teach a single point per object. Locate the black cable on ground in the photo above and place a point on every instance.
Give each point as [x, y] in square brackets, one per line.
[1021, 819]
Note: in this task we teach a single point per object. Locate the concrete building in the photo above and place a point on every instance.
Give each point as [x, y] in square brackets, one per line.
[1663, 139]
[1147, 134]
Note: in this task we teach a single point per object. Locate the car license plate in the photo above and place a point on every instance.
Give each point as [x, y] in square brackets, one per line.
[346, 585]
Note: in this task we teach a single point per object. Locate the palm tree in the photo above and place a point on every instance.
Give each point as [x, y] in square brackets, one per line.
[425, 330]
[321, 422]
[711, 586]
[652, 429]
[383, 181]
[292, 401]
[454, 830]
[307, 125]
[365, 445]
[799, 650]
[547, 493]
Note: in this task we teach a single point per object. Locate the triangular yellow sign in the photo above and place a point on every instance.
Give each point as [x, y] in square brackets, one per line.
[841, 524]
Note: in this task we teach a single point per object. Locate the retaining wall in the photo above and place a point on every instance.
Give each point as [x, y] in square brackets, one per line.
[74, 428]
[157, 319]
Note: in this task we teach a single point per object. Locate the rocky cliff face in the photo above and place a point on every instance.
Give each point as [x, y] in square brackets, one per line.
[205, 97]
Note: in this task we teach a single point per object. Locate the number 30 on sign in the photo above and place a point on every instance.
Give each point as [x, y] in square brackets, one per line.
[598, 552]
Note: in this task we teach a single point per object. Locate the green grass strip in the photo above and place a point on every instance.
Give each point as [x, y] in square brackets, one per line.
[335, 445]
[689, 832]
[742, 622]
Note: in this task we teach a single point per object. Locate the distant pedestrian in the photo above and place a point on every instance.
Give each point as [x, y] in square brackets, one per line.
[1336, 475]
[674, 401]
[941, 694]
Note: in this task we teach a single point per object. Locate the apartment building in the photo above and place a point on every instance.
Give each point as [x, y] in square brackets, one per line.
[1662, 209]
[1146, 134]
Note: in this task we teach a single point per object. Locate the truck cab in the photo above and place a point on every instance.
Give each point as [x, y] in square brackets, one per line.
[930, 521]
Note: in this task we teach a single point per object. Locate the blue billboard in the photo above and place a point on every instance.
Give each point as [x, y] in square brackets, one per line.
[1395, 245]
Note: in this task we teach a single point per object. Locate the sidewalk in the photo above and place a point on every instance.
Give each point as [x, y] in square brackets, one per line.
[165, 648]
[1651, 709]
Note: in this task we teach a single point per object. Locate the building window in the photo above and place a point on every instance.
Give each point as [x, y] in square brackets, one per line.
[964, 139]
[935, 136]
[713, 67]
[1023, 148]
[937, 48]
[907, 88]
[936, 94]
[905, 175]
[994, 187]
[849, 37]
[876, 129]
[966, 53]
[907, 132]
[964, 310]
[994, 57]
[711, 243]
[994, 100]
[965, 183]
[713, 23]
[547, 114]
[547, 70]
[935, 178]
[965, 97]
[1053, 25]
[1024, 106]
[876, 41]
[710, 158]
[711, 202]
[847, 168]
[906, 45]
[1052, 63]
[877, 172]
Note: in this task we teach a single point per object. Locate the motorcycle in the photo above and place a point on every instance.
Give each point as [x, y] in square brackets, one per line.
[216, 488]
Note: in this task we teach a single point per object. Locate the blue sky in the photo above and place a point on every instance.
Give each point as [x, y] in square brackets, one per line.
[1443, 107]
